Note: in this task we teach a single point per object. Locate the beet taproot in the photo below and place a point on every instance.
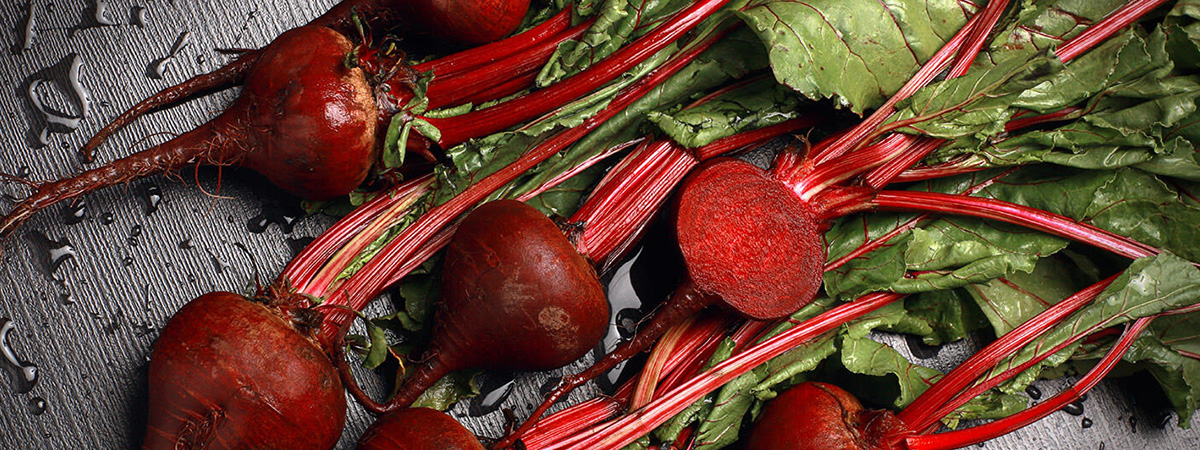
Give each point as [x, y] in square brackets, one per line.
[229, 373]
[417, 429]
[515, 296]
[304, 120]
[820, 416]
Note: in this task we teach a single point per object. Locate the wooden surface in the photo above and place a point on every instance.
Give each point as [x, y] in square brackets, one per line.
[88, 325]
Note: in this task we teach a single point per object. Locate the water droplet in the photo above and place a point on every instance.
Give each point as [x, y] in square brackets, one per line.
[1034, 392]
[627, 322]
[191, 277]
[75, 212]
[138, 16]
[24, 172]
[66, 295]
[136, 231]
[53, 121]
[286, 216]
[218, 265]
[144, 329]
[152, 197]
[492, 397]
[1074, 408]
[108, 218]
[127, 261]
[1085, 423]
[100, 14]
[37, 406]
[548, 386]
[24, 376]
[158, 67]
[1133, 423]
[52, 253]
[187, 244]
[1164, 419]
[29, 30]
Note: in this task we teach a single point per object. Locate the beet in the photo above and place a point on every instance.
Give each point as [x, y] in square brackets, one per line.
[819, 416]
[465, 22]
[229, 373]
[372, 13]
[749, 240]
[515, 296]
[740, 252]
[304, 120]
[418, 429]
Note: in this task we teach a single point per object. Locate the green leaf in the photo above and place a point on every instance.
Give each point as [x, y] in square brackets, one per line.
[758, 104]
[951, 252]
[1009, 301]
[377, 352]
[1126, 201]
[617, 23]
[949, 315]
[734, 56]
[866, 357]
[858, 52]
[1150, 286]
[1170, 349]
[448, 390]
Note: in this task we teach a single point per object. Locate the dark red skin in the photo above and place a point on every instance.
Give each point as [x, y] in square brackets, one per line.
[228, 373]
[465, 22]
[310, 121]
[515, 296]
[374, 13]
[819, 416]
[749, 244]
[304, 120]
[747, 239]
[418, 429]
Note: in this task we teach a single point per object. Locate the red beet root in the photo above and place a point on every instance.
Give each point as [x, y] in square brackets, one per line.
[749, 240]
[339, 18]
[304, 120]
[819, 416]
[228, 373]
[418, 429]
[515, 295]
[465, 22]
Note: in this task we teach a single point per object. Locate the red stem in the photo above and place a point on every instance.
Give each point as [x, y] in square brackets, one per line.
[984, 20]
[1115, 21]
[300, 270]
[618, 433]
[975, 435]
[683, 304]
[874, 244]
[958, 166]
[994, 380]
[388, 266]
[626, 199]
[489, 53]
[556, 427]
[671, 361]
[920, 147]
[496, 118]
[920, 414]
[465, 86]
[1011, 213]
